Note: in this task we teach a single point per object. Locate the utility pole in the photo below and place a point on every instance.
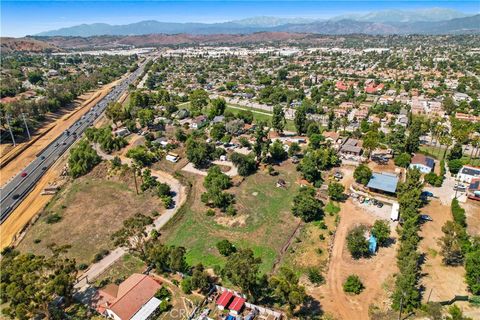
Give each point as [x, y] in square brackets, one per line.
[7, 117]
[401, 307]
[26, 125]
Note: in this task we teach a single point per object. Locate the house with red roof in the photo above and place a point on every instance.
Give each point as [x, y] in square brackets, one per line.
[237, 305]
[133, 299]
[372, 88]
[224, 300]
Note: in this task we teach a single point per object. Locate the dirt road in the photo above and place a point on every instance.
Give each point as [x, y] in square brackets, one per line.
[54, 129]
[374, 272]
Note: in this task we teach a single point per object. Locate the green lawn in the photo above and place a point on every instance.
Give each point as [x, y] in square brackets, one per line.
[435, 152]
[263, 222]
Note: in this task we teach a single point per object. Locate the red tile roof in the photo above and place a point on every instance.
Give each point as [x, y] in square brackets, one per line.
[237, 304]
[130, 296]
[224, 298]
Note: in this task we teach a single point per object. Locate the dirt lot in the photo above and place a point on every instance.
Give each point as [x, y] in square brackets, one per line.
[375, 273]
[441, 282]
[60, 123]
[472, 209]
[96, 204]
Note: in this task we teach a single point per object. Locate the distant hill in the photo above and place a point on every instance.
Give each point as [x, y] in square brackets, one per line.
[9, 45]
[396, 25]
[392, 15]
[464, 25]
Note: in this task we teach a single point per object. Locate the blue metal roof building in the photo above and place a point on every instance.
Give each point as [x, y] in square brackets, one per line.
[383, 182]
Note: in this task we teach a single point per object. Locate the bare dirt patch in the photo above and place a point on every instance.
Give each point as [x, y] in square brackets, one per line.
[375, 273]
[236, 221]
[441, 282]
[92, 209]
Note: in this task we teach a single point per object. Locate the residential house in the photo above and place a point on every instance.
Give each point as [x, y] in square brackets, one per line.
[473, 191]
[351, 147]
[468, 173]
[459, 97]
[199, 122]
[423, 163]
[133, 299]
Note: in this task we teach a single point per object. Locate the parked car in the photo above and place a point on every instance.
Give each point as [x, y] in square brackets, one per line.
[426, 194]
[459, 187]
[426, 217]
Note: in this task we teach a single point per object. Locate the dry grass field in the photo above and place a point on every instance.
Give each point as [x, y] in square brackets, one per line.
[92, 208]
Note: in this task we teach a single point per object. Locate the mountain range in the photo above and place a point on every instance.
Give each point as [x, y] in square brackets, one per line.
[422, 21]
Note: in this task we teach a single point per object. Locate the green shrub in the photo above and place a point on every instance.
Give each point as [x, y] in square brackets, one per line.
[210, 213]
[458, 213]
[315, 277]
[353, 285]
[53, 218]
[82, 266]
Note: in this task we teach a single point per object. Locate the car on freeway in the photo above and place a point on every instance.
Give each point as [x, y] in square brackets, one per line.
[42, 157]
[44, 168]
[15, 196]
[24, 174]
[426, 217]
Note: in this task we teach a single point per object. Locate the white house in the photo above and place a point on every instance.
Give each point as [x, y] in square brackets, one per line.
[467, 173]
[422, 163]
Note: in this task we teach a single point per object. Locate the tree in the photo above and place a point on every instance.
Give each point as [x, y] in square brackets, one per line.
[353, 284]
[381, 231]
[316, 140]
[246, 164]
[403, 160]
[278, 118]
[31, 285]
[217, 107]
[141, 155]
[242, 270]
[315, 161]
[226, 248]
[306, 206]
[133, 234]
[357, 244]
[472, 277]
[451, 243]
[82, 159]
[199, 152]
[456, 152]
[216, 178]
[217, 132]
[200, 279]
[456, 314]
[277, 153]
[286, 288]
[370, 141]
[300, 120]
[294, 149]
[335, 191]
[167, 258]
[145, 117]
[198, 100]
[362, 174]
[116, 112]
[455, 165]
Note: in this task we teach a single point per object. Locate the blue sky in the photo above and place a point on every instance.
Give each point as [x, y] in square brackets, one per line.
[19, 18]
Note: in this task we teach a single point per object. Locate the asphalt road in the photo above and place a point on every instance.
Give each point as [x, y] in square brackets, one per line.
[13, 193]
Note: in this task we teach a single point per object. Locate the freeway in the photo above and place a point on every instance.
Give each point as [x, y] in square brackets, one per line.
[12, 194]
